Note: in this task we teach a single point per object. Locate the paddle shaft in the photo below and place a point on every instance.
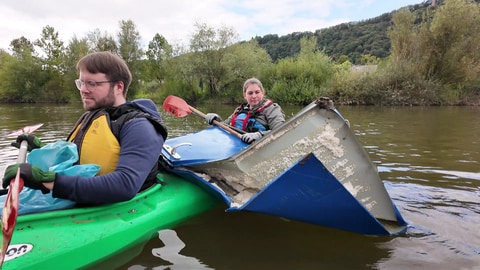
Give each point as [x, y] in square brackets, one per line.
[218, 123]
[22, 152]
[22, 158]
[10, 209]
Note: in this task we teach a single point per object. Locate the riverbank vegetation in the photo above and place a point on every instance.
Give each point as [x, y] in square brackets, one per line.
[433, 59]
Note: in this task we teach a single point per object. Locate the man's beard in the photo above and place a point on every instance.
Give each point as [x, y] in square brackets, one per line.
[107, 101]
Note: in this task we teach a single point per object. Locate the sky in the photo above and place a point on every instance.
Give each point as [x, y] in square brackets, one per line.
[175, 20]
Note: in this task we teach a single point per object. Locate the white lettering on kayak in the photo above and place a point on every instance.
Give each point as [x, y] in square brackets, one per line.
[17, 250]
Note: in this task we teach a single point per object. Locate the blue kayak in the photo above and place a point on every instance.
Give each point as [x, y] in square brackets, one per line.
[311, 169]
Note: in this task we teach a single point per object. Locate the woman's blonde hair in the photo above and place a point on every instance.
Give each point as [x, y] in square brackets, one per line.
[250, 81]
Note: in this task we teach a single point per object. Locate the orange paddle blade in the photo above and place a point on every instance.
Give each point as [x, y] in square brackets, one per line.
[25, 130]
[176, 106]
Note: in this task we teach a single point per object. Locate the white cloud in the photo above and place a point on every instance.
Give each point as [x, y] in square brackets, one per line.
[175, 19]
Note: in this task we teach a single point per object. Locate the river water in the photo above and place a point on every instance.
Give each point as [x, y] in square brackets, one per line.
[428, 158]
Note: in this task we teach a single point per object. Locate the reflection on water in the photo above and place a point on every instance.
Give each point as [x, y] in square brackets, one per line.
[171, 253]
[427, 157]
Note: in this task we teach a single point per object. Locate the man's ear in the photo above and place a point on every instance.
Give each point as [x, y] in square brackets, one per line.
[119, 87]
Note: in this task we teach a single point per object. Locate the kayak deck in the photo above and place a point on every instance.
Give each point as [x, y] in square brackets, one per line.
[82, 237]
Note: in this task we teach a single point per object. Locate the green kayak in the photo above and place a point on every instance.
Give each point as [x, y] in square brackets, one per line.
[86, 237]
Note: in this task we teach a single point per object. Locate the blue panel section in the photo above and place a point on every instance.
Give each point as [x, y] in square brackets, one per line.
[308, 192]
[207, 145]
[400, 220]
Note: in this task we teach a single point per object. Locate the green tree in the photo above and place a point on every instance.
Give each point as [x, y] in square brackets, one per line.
[301, 79]
[444, 48]
[154, 68]
[368, 59]
[21, 78]
[181, 79]
[76, 49]
[21, 45]
[130, 50]
[454, 31]
[209, 47]
[241, 61]
[158, 53]
[52, 65]
[99, 42]
[53, 49]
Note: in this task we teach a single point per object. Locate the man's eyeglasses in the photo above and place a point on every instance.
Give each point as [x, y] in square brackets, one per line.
[91, 85]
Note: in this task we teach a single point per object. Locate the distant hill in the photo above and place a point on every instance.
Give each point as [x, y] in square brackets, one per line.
[352, 39]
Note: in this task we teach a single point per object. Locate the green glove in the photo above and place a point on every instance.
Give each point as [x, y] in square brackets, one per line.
[32, 176]
[33, 141]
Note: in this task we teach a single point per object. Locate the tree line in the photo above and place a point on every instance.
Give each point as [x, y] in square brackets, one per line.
[432, 59]
[347, 41]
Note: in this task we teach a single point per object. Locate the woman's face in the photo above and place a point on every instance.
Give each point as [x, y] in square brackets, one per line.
[253, 95]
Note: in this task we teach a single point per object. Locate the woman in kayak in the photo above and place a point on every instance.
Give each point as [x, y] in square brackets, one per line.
[257, 116]
[124, 138]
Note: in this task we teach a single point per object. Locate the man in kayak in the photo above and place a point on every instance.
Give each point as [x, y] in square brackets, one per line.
[124, 138]
[257, 116]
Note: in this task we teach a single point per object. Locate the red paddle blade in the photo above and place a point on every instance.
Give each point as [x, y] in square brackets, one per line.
[176, 106]
[24, 130]
[10, 209]
[10, 213]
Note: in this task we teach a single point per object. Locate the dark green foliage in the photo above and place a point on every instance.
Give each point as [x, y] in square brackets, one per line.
[353, 39]
[300, 79]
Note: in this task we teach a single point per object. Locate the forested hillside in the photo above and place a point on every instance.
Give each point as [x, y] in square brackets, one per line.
[348, 40]
[425, 54]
